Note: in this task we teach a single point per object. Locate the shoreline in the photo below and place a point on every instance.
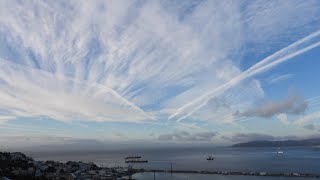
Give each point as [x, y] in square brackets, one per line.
[19, 165]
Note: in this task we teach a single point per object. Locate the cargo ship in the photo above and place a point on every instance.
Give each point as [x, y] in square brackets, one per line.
[134, 159]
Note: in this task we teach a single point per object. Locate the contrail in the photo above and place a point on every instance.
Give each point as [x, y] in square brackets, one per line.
[280, 56]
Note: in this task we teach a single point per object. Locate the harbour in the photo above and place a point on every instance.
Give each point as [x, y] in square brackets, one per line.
[191, 163]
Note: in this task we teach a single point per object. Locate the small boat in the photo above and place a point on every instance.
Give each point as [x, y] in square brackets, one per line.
[209, 158]
[279, 151]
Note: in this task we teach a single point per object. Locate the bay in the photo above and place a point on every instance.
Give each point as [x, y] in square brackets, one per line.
[298, 159]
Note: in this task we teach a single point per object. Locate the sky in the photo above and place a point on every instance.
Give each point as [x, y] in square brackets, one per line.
[164, 71]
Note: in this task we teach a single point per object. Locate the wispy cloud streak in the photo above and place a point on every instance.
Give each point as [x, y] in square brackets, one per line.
[32, 92]
[277, 79]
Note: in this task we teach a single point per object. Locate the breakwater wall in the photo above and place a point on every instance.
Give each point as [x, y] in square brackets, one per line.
[231, 173]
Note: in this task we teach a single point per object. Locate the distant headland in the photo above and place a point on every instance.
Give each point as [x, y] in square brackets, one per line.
[286, 143]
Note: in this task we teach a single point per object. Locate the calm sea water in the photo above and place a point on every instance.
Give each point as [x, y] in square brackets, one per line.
[302, 160]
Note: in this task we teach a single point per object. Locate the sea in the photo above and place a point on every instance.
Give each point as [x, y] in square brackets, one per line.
[292, 160]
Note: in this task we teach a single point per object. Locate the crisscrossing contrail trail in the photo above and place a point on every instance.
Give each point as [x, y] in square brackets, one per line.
[303, 45]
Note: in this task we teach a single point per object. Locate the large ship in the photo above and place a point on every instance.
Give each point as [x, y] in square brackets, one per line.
[134, 159]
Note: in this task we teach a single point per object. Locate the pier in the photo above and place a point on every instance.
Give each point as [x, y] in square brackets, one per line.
[230, 173]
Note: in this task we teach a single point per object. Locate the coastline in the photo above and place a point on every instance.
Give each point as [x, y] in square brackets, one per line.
[19, 166]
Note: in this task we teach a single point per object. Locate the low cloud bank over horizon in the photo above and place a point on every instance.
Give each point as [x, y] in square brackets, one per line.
[184, 136]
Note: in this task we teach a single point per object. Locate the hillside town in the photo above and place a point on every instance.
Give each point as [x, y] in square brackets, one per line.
[18, 166]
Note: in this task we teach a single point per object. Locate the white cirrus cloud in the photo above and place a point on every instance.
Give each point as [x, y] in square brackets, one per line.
[126, 61]
[28, 92]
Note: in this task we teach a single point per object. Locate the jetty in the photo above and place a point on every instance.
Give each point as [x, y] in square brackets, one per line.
[231, 173]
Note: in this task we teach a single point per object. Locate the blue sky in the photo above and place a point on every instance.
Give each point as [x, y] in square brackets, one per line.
[162, 71]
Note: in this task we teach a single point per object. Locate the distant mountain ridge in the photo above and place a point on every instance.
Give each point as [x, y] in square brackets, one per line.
[286, 143]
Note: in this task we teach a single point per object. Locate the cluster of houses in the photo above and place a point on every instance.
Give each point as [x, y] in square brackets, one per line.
[19, 166]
